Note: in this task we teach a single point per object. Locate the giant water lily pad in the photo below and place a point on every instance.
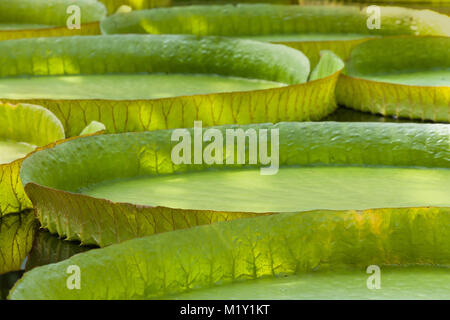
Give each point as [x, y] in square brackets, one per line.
[412, 81]
[307, 28]
[396, 282]
[114, 5]
[23, 128]
[287, 256]
[26, 129]
[148, 82]
[111, 188]
[16, 239]
[435, 5]
[48, 18]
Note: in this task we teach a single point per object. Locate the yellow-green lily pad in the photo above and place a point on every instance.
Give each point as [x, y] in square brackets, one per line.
[24, 128]
[309, 29]
[149, 82]
[411, 81]
[49, 18]
[110, 188]
[285, 256]
[16, 239]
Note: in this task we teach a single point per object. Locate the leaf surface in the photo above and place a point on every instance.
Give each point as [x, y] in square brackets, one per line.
[149, 54]
[23, 123]
[31, 18]
[310, 29]
[57, 179]
[413, 81]
[114, 5]
[396, 283]
[16, 239]
[245, 250]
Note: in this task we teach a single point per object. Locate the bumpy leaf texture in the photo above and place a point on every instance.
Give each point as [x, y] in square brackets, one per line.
[53, 178]
[298, 101]
[282, 24]
[365, 84]
[248, 249]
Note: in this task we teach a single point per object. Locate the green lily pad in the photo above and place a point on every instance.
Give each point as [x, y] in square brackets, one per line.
[148, 82]
[12, 150]
[397, 282]
[133, 86]
[388, 187]
[93, 128]
[16, 239]
[24, 128]
[435, 5]
[412, 81]
[138, 190]
[241, 252]
[31, 18]
[309, 29]
[114, 5]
